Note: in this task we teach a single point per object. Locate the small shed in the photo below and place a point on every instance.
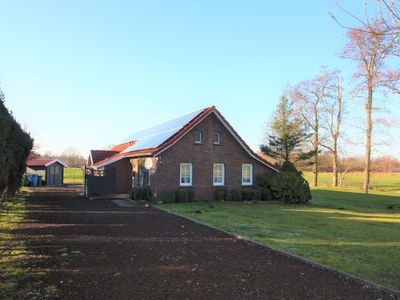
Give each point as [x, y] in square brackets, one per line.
[51, 170]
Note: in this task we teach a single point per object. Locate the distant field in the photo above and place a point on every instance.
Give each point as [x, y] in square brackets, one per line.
[73, 176]
[383, 182]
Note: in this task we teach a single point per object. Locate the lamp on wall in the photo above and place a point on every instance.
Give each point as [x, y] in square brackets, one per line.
[148, 163]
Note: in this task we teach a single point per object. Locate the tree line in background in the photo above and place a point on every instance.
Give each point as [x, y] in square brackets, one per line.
[381, 164]
[311, 112]
[15, 146]
[71, 157]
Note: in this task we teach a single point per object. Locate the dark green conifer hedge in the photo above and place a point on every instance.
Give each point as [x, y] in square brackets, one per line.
[15, 146]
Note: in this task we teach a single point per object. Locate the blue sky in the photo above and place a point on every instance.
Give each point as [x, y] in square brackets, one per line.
[85, 74]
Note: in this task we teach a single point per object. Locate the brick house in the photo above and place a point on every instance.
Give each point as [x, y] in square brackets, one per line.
[198, 151]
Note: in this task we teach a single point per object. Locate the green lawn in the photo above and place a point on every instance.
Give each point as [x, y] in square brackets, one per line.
[379, 181]
[338, 228]
[18, 277]
[73, 176]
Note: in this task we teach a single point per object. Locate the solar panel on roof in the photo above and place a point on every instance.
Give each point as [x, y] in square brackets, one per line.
[154, 136]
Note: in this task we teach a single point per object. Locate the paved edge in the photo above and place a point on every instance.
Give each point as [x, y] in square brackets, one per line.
[368, 283]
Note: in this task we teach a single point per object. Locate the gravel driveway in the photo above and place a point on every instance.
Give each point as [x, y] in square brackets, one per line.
[101, 250]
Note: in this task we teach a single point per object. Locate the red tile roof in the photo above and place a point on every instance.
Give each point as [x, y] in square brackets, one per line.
[177, 136]
[99, 155]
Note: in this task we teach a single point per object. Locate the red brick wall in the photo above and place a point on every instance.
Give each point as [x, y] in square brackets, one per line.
[202, 157]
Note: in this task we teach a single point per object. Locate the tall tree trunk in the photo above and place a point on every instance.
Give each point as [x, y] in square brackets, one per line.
[334, 163]
[367, 161]
[315, 146]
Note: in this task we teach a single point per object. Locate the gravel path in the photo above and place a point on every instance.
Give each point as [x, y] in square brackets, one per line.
[100, 250]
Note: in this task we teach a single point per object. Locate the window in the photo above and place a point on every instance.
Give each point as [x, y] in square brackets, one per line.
[185, 175]
[197, 137]
[218, 174]
[217, 138]
[247, 174]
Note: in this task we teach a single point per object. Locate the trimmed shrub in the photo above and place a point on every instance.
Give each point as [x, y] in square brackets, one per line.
[264, 181]
[266, 195]
[190, 195]
[290, 187]
[236, 195]
[184, 195]
[169, 196]
[257, 195]
[141, 193]
[220, 194]
[247, 195]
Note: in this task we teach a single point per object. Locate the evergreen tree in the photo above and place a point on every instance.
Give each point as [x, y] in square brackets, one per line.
[287, 138]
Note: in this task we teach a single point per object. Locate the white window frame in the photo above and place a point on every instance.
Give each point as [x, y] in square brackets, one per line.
[180, 175]
[223, 175]
[251, 175]
[201, 137]
[219, 138]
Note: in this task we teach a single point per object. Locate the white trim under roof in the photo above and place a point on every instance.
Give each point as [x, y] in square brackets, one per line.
[54, 161]
[108, 162]
[91, 158]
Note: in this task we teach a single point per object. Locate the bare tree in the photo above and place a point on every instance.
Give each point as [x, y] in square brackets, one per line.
[307, 97]
[387, 13]
[332, 117]
[72, 158]
[370, 50]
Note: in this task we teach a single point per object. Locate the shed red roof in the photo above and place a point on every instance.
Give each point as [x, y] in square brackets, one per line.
[42, 162]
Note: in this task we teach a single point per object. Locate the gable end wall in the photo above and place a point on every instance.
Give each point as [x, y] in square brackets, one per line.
[202, 157]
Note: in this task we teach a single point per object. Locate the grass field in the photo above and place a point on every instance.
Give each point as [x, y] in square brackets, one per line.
[339, 228]
[379, 181]
[73, 176]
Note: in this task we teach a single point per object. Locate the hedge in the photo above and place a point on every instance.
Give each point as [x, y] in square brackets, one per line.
[15, 147]
[178, 195]
[141, 193]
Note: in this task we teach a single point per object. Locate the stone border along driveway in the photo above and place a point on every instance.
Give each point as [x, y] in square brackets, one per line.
[99, 250]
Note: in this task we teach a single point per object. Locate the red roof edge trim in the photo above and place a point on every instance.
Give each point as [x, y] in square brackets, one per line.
[107, 160]
[122, 147]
